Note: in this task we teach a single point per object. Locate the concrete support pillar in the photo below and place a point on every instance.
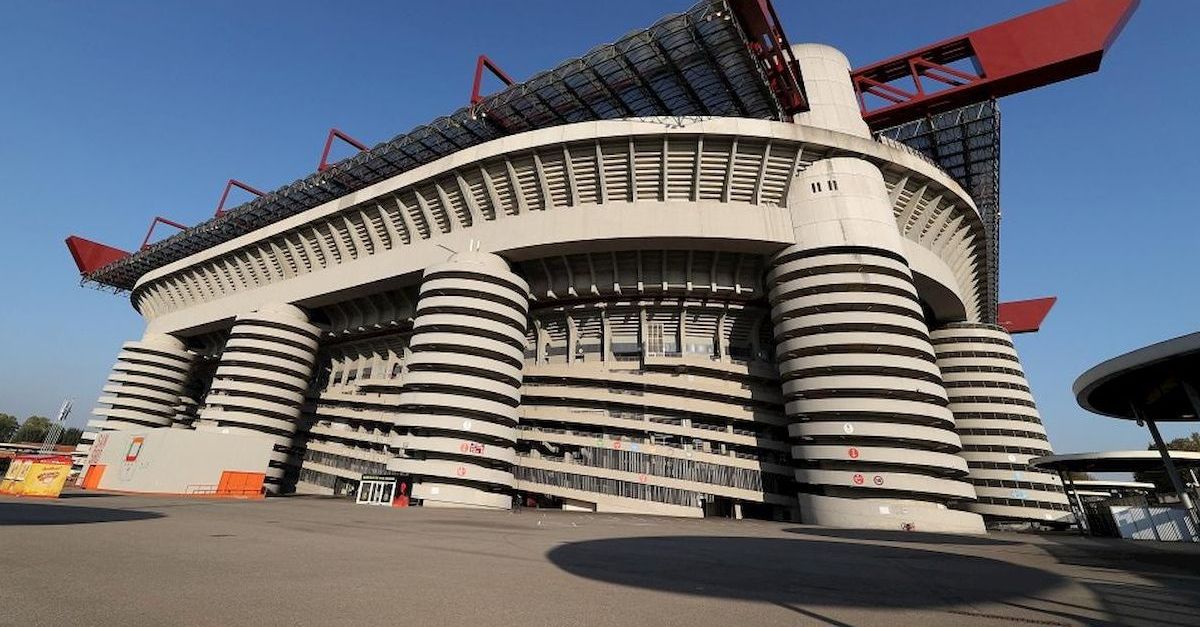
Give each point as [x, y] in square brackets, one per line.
[457, 431]
[875, 442]
[261, 380]
[606, 336]
[998, 421]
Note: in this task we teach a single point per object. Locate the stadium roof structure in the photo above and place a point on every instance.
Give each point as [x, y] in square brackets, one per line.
[720, 58]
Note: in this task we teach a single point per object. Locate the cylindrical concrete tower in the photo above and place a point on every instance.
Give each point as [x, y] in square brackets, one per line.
[876, 443]
[145, 385]
[831, 99]
[999, 424]
[261, 380]
[462, 386]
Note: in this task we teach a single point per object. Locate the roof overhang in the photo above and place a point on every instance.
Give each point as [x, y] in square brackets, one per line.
[1161, 379]
[1114, 461]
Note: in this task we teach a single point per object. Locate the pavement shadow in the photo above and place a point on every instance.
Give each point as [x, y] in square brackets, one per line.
[794, 572]
[917, 537]
[1139, 583]
[79, 494]
[12, 514]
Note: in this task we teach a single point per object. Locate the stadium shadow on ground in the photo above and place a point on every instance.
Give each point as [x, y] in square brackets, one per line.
[803, 571]
[917, 537]
[46, 514]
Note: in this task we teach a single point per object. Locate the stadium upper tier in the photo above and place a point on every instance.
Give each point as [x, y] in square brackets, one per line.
[698, 63]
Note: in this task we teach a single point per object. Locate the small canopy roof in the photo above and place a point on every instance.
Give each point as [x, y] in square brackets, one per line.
[1114, 461]
[1155, 377]
[1100, 484]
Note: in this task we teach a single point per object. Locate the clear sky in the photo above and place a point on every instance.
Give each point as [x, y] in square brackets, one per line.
[113, 112]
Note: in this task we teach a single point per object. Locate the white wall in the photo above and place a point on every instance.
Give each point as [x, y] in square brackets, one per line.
[175, 461]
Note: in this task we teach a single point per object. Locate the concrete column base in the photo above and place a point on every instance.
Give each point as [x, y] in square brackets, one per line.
[886, 514]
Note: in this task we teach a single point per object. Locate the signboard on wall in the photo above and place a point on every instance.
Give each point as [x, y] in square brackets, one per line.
[36, 475]
[135, 448]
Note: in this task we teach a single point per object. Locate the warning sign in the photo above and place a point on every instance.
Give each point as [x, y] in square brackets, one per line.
[853, 453]
[858, 479]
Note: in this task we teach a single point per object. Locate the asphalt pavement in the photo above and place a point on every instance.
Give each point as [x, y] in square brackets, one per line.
[98, 559]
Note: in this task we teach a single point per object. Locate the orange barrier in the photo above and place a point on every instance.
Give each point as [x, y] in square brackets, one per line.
[244, 484]
[91, 480]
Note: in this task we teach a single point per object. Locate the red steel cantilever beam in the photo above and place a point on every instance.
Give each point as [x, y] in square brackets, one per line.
[1024, 316]
[335, 133]
[477, 85]
[1053, 44]
[159, 220]
[769, 44]
[225, 194]
[90, 256]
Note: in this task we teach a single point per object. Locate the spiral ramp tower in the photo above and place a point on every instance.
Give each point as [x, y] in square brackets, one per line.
[876, 445]
[145, 385]
[998, 422]
[458, 405]
[145, 388]
[260, 382]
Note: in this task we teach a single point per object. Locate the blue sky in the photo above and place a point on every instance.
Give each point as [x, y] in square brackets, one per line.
[115, 112]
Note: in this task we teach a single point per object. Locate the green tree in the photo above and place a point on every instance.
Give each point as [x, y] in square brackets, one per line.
[71, 436]
[8, 426]
[1159, 477]
[32, 430]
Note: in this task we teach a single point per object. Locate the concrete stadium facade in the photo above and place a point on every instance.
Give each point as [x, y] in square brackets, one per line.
[666, 316]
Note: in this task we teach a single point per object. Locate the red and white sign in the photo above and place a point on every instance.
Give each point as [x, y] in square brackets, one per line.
[474, 448]
[858, 479]
[462, 471]
[135, 448]
[853, 453]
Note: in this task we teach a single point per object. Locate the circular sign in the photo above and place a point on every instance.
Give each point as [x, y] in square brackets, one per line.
[466, 425]
[852, 452]
[858, 479]
[878, 480]
[642, 478]
[848, 428]
[616, 444]
[462, 448]
[462, 471]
